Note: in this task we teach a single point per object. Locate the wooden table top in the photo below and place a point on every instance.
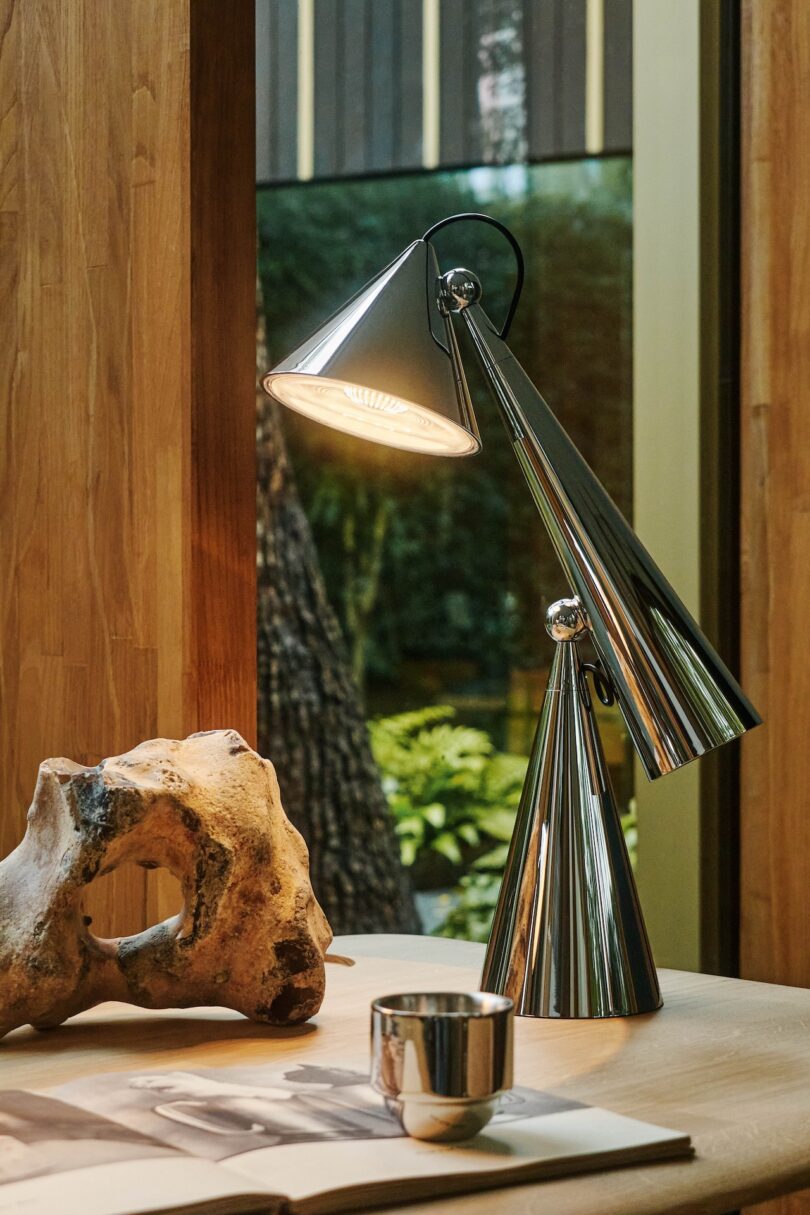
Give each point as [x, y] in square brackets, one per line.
[725, 1060]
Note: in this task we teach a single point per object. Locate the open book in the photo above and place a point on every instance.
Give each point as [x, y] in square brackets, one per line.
[296, 1137]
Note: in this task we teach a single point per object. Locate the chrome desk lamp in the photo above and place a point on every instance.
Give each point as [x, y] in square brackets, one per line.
[568, 938]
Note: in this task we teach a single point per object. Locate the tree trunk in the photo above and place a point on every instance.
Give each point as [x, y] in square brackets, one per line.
[311, 723]
[364, 560]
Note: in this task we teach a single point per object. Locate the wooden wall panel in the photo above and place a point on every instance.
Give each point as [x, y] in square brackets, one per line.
[775, 802]
[223, 365]
[127, 482]
[776, 488]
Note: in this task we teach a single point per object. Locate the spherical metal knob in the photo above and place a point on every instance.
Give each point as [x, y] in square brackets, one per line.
[458, 289]
[566, 620]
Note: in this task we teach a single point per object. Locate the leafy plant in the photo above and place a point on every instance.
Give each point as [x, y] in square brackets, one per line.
[454, 798]
[476, 899]
[452, 794]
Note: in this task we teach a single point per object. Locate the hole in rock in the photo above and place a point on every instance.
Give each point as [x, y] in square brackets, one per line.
[130, 899]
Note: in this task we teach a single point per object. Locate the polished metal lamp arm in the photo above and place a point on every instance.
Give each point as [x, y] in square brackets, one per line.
[677, 697]
[568, 936]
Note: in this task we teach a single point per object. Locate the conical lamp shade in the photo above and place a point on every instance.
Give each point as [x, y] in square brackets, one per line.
[678, 698]
[378, 371]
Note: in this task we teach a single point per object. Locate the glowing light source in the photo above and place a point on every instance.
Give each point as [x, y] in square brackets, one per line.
[370, 414]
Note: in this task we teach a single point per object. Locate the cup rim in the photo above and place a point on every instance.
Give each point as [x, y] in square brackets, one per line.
[499, 1004]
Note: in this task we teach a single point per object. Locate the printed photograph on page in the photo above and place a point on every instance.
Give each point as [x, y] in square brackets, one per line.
[217, 1113]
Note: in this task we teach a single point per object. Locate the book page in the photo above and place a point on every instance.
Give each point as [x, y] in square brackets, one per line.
[41, 1135]
[136, 1188]
[60, 1158]
[320, 1136]
[340, 1176]
[221, 1113]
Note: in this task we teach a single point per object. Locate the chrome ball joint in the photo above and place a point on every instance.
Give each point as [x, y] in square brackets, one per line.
[457, 289]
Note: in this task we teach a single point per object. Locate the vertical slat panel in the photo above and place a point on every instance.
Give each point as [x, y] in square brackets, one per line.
[472, 137]
[618, 87]
[267, 42]
[541, 88]
[276, 83]
[384, 96]
[354, 85]
[498, 68]
[570, 76]
[453, 57]
[369, 88]
[285, 67]
[328, 100]
[409, 108]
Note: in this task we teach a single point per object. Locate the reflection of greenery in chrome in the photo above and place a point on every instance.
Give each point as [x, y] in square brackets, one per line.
[455, 797]
[477, 893]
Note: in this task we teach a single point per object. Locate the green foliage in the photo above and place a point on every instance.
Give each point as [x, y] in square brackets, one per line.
[451, 793]
[471, 917]
[454, 797]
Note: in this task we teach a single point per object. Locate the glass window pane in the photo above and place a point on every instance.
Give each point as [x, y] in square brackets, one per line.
[441, 570]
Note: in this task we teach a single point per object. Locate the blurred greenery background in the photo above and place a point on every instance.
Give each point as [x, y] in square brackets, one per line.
[440, 570]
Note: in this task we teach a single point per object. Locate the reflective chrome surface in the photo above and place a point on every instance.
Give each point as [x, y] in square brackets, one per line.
[568, 939]
[386, 367]
[441, 1059]
[457, 290]
[678, 698]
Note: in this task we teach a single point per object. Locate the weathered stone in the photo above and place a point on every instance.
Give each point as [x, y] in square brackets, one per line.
[251, 935]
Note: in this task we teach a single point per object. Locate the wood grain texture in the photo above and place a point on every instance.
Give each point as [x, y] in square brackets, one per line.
[725, 1061]
[775, 483]
[126, 393]
[223, 354]
[776, 487]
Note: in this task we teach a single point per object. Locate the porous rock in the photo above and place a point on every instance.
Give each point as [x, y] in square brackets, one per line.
[251, 935]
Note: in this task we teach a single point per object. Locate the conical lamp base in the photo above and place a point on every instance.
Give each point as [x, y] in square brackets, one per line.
[568, 939]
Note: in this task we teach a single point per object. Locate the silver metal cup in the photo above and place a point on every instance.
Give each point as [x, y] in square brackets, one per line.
[442, 1059]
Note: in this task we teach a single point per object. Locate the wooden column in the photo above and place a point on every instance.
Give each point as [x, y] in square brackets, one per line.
[127, 468]
[775, 806]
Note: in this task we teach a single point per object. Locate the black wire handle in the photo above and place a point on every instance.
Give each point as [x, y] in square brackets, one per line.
[601, 682]
[516, 249]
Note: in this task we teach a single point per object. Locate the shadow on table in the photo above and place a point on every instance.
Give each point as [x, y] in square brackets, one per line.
[129, 1033]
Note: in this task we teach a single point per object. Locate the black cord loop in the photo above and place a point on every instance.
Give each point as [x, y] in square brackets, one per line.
[602, 683]
[516, 249]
